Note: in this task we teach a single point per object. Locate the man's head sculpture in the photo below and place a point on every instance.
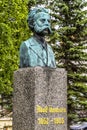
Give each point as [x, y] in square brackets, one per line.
[35, 51]
[39, 21]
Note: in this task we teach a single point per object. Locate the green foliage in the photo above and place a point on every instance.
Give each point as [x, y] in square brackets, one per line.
[13, 30]
[69, 21]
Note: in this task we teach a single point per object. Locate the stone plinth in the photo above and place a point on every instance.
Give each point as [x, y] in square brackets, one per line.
[40, 99]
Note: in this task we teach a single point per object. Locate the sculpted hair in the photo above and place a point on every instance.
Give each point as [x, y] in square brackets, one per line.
[32, 14]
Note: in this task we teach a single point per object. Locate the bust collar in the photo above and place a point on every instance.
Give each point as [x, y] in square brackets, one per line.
[40, 40]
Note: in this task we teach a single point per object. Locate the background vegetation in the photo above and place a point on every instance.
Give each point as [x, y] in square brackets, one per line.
[69, 41]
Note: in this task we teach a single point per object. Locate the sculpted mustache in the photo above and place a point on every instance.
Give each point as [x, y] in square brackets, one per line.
[47, 28]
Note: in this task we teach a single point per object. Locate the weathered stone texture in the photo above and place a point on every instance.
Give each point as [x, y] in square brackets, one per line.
[43, 87]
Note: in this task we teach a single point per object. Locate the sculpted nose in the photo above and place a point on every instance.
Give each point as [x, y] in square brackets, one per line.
[46, 23]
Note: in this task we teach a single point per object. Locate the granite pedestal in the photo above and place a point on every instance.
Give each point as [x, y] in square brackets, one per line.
[40, 99]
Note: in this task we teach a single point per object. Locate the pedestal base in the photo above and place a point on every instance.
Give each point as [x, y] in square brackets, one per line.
[40, 99]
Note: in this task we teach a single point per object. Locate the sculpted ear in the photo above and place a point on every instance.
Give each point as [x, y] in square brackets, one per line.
[30, 19]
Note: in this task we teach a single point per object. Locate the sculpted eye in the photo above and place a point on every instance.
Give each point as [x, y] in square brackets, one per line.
[48, 20]
[42, 20]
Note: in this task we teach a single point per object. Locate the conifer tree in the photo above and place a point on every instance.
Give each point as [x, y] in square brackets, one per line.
[69, 21]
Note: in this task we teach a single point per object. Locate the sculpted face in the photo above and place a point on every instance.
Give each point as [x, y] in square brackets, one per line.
[42, 23]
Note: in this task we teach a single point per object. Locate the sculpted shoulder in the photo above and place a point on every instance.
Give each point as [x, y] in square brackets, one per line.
[28, 42]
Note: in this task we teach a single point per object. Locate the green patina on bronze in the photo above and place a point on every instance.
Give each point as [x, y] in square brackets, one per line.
[35, 51]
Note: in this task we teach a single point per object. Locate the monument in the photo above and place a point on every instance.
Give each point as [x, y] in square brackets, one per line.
[35, 51]
[40, 89]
